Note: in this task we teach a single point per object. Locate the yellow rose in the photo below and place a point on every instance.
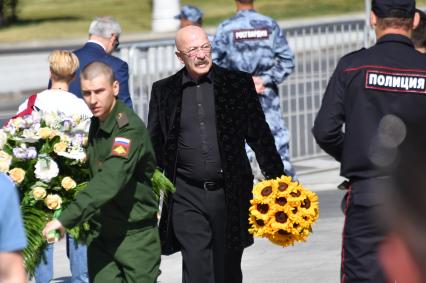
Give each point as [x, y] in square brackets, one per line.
[68, 183]
[44, 132]
[17, 175]
[5, 160]
[59, 147]
[38, 193]
[53, 202]
[53, 134]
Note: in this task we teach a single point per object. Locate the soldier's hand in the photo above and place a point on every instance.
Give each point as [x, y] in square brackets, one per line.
[51, 227]
[258, 83]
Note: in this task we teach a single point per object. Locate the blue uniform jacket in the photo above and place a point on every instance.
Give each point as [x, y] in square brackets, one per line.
[94, 52]
[254, 43]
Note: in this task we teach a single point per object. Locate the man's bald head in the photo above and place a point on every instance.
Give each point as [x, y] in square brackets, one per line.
[96, 69]
[194, 50]
[188, 34]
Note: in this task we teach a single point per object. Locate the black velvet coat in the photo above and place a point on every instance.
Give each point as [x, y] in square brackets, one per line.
[239, 118]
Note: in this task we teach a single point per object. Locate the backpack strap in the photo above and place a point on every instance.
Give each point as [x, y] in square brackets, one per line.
[26, 111]
[30, 105]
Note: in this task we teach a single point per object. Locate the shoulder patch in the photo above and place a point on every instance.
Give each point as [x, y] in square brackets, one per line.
[122, 119]
[121, 146]
[251, 34]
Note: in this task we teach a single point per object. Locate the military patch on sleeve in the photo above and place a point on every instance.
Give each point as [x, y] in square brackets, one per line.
[121, 146]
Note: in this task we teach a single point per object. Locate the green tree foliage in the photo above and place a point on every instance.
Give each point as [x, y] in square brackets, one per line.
[8, 11]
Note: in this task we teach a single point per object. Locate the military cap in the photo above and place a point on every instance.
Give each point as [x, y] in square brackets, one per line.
[191, 13]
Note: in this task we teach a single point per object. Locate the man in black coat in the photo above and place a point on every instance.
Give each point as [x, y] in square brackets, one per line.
[199, 120]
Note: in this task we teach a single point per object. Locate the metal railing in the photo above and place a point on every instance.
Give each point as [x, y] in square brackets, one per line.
[317, 50]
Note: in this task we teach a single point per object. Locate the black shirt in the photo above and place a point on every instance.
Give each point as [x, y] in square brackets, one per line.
[198, 151]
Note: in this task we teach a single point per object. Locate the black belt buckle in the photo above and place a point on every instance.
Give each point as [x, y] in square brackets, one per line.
[210, 186]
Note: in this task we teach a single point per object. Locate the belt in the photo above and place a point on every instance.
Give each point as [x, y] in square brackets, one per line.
[204, 185]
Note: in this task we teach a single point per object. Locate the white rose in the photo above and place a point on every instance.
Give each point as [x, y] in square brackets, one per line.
[3, 138]
[5, 161]
[36, 117]
[46, 169]
[17, 123]
[30, 136]
[51, 118]
[79, 155]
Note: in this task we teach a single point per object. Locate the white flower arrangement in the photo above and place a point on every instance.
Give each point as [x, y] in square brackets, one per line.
[45, 155]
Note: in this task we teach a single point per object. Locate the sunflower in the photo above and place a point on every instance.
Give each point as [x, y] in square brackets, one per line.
[261, 210]
[309, 205]
[282, 238]
[259, 227]
[282, 211]
[281, 221]
[265, 189]
[296, 196]
[284, 180]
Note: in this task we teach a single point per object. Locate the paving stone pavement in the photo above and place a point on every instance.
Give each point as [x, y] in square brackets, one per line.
[316, 260]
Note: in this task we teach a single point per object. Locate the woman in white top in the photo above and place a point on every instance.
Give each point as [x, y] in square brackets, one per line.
[63, 66]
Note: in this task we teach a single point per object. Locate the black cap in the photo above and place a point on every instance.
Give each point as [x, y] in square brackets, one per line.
[394, 8]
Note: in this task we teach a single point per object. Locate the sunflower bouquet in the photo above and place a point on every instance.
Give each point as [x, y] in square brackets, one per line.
[282, 211]
[44, 154]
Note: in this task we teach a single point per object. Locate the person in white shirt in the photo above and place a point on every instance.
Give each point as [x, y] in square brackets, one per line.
[63, 67]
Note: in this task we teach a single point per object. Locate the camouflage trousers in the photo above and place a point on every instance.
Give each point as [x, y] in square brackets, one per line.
[281, 134]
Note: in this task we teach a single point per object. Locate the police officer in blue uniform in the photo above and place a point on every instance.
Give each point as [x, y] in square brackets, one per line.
[372, 93]
[254, 43]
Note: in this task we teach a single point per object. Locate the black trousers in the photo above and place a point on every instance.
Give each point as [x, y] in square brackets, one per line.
[362, 234]
[199, 220]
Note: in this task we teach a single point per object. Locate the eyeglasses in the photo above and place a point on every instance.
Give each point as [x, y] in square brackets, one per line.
[117, 42]
[193, 51]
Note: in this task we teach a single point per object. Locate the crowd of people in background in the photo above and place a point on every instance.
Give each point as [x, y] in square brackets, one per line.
[214, 124]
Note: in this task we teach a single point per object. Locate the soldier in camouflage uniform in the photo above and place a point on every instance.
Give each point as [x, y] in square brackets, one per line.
[254, 43]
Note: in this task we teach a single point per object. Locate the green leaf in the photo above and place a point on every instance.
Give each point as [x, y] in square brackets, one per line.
[80, 233]
[161, 185]
[34, 222]
[8, 149]
[79, 188]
